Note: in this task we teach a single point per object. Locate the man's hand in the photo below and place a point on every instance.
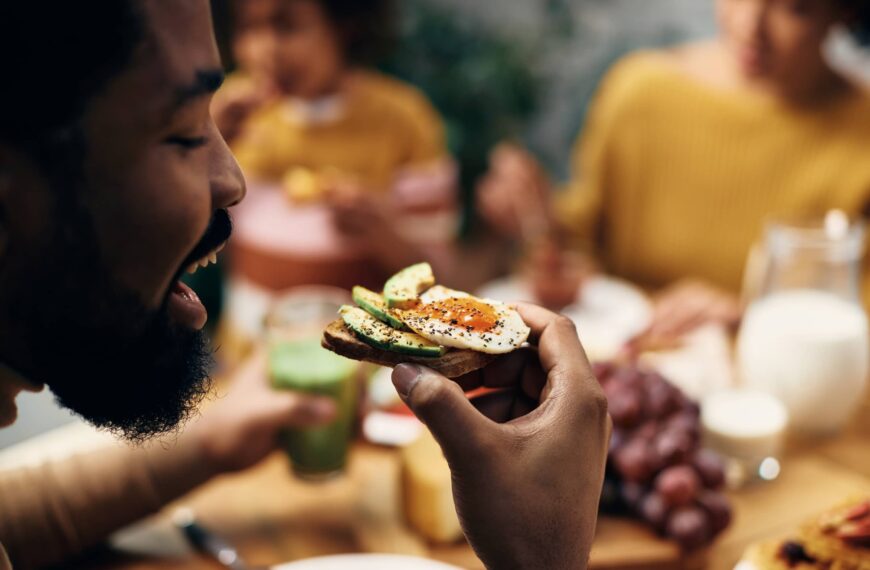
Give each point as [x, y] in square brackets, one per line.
[513, 197]
[527, 459]
[241, 428]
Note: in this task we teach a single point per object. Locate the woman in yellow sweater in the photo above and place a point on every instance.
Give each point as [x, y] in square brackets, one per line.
[688, 151]
[305, 114]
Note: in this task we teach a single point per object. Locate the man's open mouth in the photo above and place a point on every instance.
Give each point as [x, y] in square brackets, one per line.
[183, 304]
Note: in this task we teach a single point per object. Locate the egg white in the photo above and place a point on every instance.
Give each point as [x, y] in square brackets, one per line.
[509, 333]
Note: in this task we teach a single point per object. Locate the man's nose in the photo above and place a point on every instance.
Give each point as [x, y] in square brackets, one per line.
[227, 182]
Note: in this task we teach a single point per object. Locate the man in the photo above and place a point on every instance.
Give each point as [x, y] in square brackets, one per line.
[113, 180]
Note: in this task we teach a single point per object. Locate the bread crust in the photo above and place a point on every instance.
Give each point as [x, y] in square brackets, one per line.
[453, 364]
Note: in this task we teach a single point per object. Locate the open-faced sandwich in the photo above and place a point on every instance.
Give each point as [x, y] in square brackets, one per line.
[417, 321]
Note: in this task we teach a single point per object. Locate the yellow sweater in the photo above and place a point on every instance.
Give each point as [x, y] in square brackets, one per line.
[383, 126]
[677, 178]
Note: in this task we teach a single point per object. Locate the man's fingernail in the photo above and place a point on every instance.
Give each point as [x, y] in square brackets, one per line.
[405, 376]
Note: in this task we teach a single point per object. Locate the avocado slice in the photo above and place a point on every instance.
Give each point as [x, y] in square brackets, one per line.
[403, 289]
[380, 335]
[374, 304]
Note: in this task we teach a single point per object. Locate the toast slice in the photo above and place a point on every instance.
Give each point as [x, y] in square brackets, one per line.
[455, 363]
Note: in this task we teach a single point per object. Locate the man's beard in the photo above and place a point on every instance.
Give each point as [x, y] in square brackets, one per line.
[105, 355]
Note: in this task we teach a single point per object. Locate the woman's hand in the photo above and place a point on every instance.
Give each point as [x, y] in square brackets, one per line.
[690, 304]
[527, 459]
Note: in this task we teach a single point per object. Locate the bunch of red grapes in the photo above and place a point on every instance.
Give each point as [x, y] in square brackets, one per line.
[656, 468]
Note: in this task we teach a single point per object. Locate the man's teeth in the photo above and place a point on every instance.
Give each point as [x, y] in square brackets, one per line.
[207, 259]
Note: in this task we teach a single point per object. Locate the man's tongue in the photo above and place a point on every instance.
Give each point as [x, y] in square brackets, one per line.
[185, 308]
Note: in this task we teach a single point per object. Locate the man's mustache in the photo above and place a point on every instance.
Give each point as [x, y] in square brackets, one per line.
[219, 230]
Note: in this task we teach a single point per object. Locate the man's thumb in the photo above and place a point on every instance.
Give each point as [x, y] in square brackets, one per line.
[442, 406]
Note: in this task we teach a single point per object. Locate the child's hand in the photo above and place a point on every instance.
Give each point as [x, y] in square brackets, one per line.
[366, 220]
[233, 104]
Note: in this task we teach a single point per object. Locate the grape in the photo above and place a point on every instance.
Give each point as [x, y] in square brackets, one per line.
[717, 508]
[628, 377]
[673, 446]
[710, 467]
[661, 398]
[678, 485]
[647, 431]
[686, 423]
[602, 371]
[656, 468]
[617, 440]
[690, 527]
[632, 493]
[654, 510]
[625, 408]
[635, 461]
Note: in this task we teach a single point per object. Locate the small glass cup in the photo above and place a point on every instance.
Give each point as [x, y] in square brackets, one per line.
[297, 362]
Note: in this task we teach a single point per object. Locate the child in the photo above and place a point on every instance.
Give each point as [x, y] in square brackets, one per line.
[305, 114]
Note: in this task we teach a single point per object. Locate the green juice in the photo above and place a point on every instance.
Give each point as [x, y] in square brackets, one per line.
[305, 366]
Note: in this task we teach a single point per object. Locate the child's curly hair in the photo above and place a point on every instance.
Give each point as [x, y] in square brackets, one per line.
[367, 27]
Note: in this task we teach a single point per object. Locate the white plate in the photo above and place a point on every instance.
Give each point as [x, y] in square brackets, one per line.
[366, 562]
[610, 311]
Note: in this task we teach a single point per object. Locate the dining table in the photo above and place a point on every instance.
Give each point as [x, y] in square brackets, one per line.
[273, 518]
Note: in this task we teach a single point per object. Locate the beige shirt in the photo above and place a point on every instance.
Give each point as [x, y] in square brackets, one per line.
[51, 513]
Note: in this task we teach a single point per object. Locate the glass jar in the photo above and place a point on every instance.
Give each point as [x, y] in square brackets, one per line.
[804, 337]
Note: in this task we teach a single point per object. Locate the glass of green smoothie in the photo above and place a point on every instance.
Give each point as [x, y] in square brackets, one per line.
[297, 362]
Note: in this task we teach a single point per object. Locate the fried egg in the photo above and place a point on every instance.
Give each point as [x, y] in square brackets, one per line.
[459, 320]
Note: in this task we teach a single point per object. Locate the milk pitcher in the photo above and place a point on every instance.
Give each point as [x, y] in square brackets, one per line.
[804, 337]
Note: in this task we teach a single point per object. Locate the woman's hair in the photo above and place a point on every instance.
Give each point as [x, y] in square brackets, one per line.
[859, 12]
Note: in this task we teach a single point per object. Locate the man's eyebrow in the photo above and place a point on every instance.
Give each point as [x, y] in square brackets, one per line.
[206, 82]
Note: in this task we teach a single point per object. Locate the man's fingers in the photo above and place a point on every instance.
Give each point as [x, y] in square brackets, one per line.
[442, 405]
[556, 337]
[504, 405]
[571, 390]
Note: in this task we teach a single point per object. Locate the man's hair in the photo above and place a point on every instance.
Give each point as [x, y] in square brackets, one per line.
[60, 54]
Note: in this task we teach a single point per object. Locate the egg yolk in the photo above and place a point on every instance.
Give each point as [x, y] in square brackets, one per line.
[469, 314]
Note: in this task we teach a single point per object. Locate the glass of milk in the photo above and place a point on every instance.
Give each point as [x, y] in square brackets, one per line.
[804, 338]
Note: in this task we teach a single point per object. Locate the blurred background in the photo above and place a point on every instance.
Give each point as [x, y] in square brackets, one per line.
[523, 69]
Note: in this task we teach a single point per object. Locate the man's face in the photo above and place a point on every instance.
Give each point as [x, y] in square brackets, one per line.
[93, 267]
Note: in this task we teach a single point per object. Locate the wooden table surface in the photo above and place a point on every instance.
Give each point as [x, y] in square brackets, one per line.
[272, 518]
